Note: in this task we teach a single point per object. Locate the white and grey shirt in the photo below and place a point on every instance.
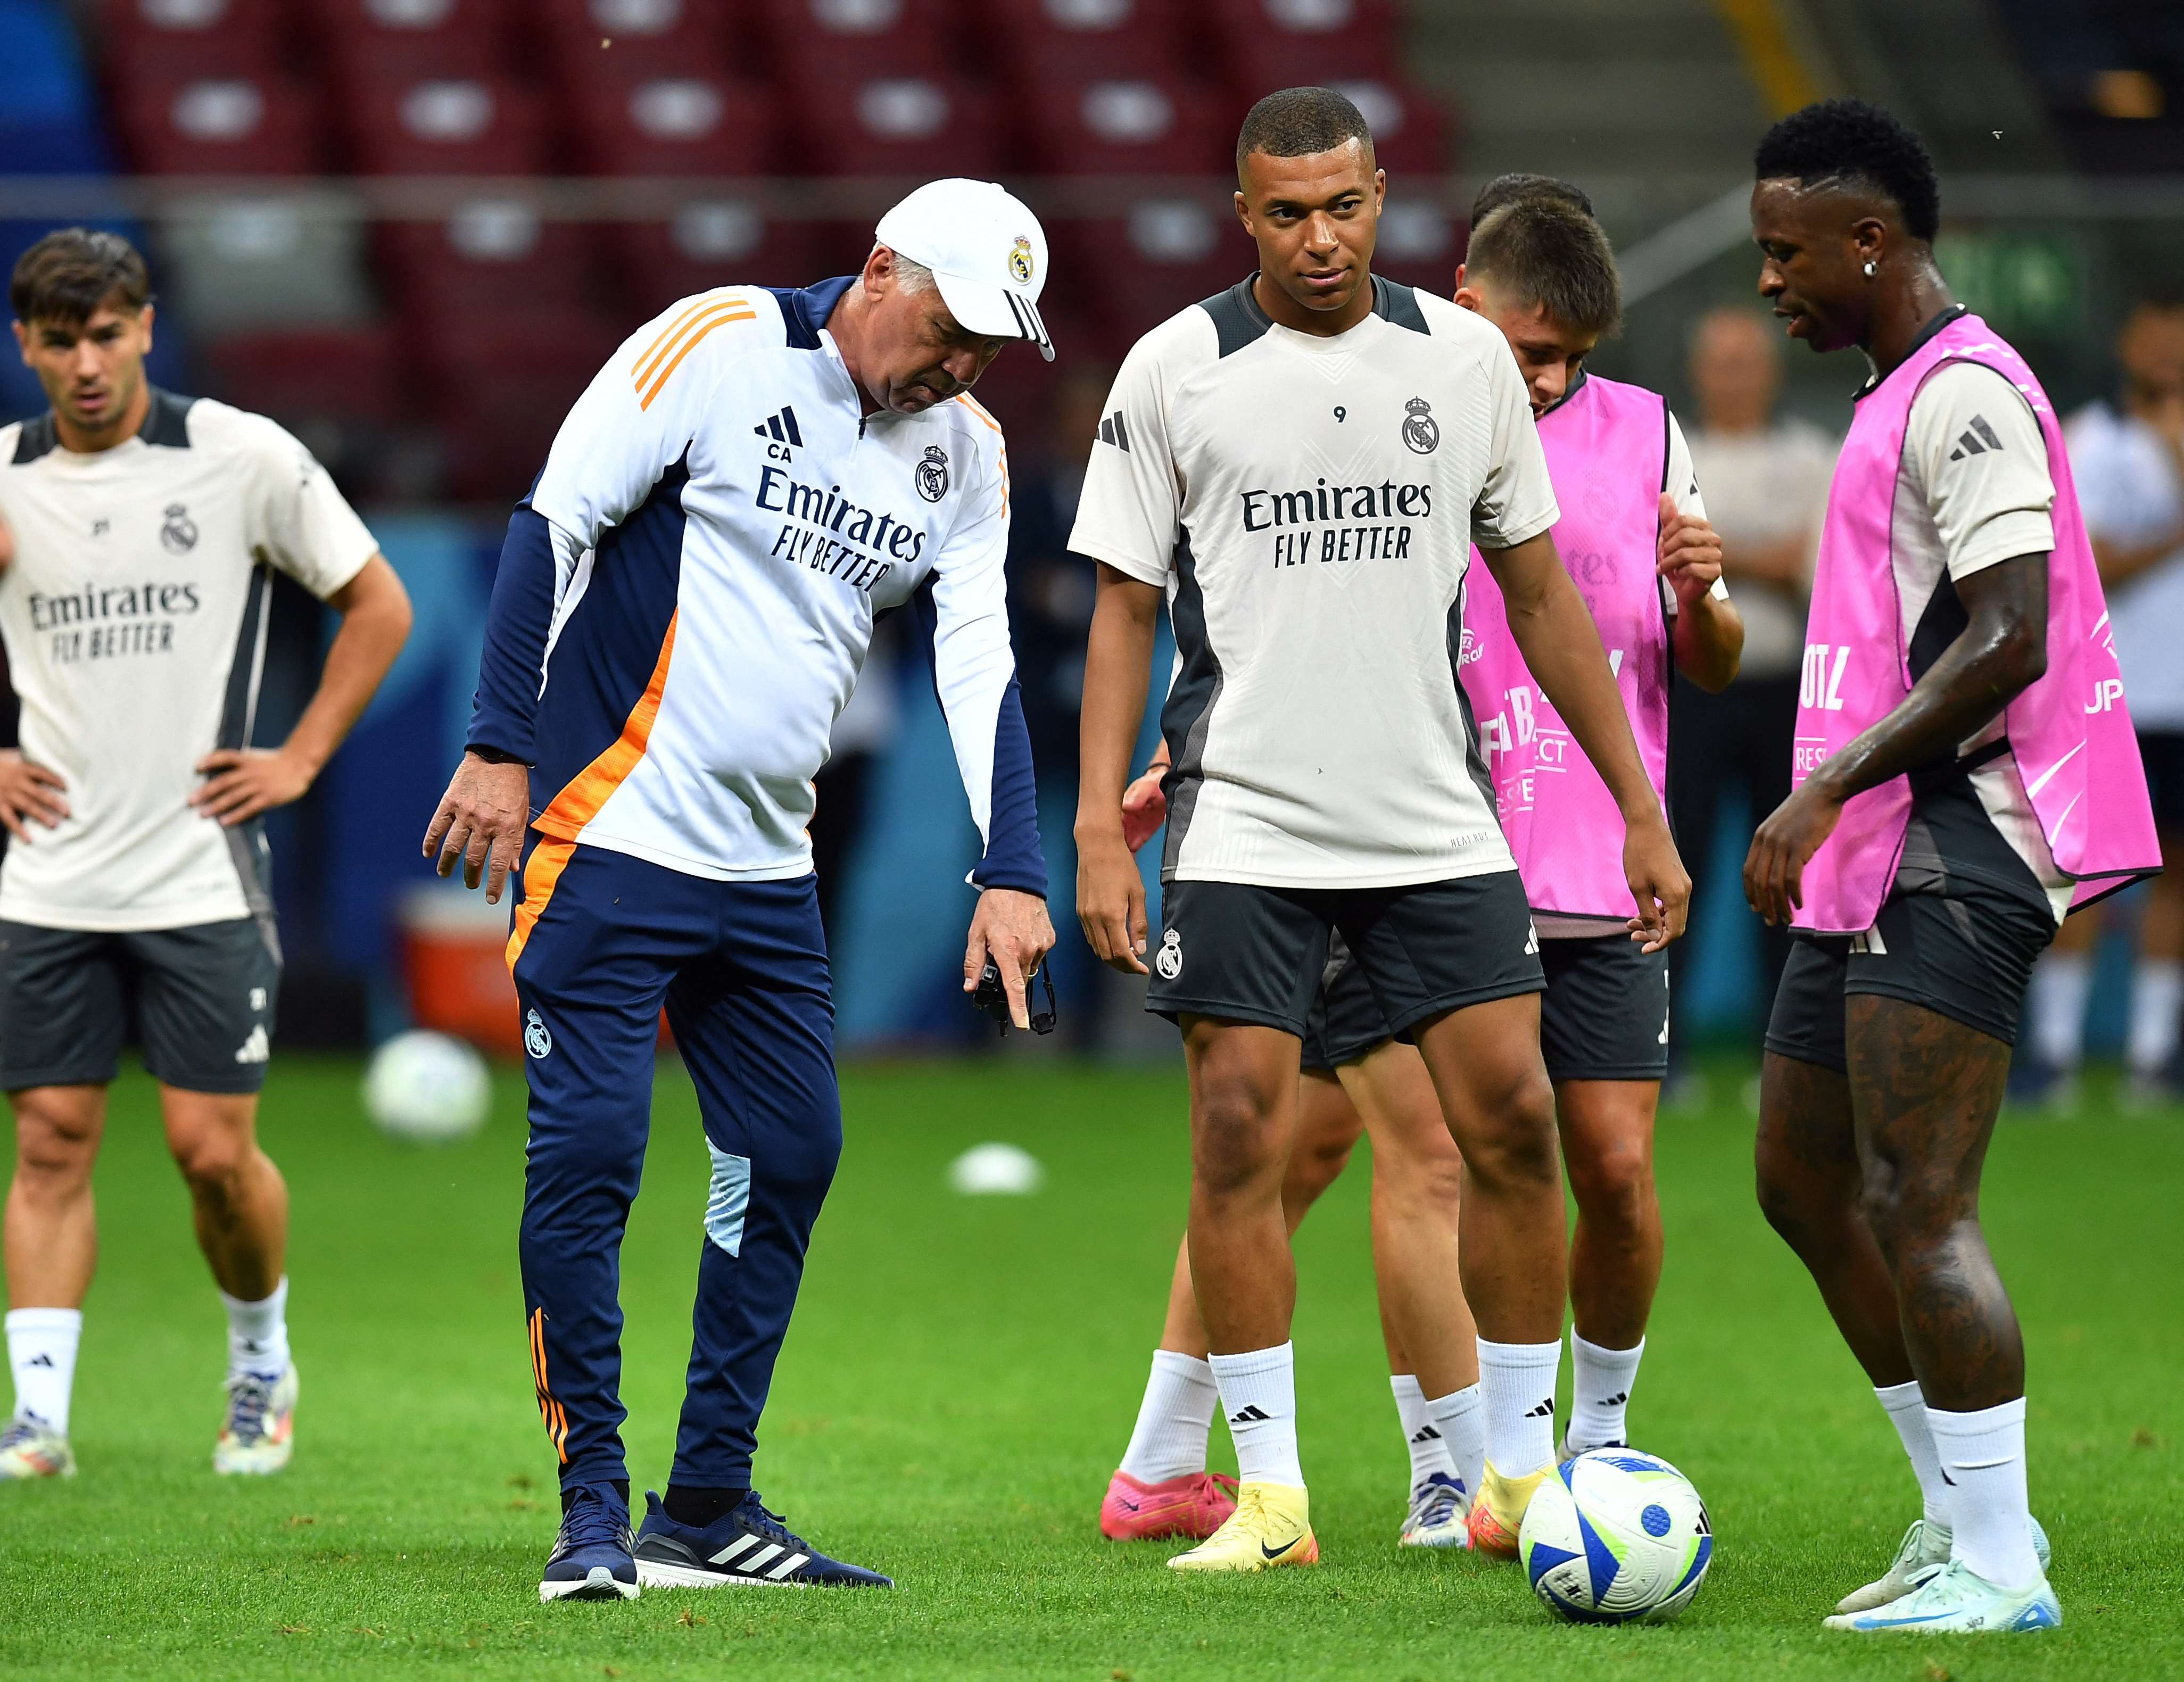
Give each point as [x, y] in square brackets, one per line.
[1309, 505]
[135, 618]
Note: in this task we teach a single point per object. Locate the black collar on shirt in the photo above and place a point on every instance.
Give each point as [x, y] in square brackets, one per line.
[1933, 326]
[1569, 391]
[1239, 320]
[166, 427]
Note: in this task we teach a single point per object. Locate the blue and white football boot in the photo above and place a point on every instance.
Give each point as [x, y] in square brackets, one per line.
[1438, 1507]
[592, 1557]
[746, 1546]
[1951, 1600]
[1924, 1546]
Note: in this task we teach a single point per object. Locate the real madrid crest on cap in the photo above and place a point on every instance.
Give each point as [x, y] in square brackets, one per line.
[933, 474]
[1420, 431]
[1020, 263]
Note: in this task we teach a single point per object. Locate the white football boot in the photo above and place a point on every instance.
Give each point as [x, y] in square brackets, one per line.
[31, 1448]
[1951, 1600]
[1438, 1507]
[1924, 1546]
[260, 1432]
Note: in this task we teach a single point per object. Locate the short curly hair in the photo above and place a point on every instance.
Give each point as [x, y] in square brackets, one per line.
[1854, 140]
[1302, 122]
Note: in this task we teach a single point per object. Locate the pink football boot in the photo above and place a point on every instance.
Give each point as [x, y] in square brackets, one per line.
[1196, 1506]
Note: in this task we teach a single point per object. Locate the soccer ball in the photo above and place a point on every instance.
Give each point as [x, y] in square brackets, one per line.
[427, 1087]
[1614, 1535]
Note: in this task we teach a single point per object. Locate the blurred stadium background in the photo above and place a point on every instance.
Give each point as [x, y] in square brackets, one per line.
[411, 230]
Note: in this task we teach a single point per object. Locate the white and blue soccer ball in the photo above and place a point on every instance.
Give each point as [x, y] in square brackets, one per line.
[1616, 1535]
[428, 1088]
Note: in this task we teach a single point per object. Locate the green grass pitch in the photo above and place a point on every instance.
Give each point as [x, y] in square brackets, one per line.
[959, 1382]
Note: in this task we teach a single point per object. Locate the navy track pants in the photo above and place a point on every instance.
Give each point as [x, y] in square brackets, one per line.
[603, 941]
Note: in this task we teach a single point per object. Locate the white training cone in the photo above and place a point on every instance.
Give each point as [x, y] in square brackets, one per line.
[995, 1170]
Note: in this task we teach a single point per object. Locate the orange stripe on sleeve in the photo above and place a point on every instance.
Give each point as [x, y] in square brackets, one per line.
[736, 310]
[986, 415]
[652, 352]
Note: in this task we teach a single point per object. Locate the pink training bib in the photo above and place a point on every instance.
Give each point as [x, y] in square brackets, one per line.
[1607, 446]
[2068, 732]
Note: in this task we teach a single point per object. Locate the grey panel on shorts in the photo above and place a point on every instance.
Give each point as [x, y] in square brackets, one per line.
[203, 998]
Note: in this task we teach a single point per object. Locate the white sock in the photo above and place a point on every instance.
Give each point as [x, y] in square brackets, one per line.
[1517, 1382]
[1421, 1436]
[1258, 1395]
[1462, 1417]
[258, 1334]
[2157, 999]
[1907, 1411]
[1600, 1391]
[1983, 1457]
[42, 1349]
[2061, 981]
[1173, 1420]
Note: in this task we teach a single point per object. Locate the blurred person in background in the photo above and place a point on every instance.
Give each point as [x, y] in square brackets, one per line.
[138, 535]
[2129, 459]
[1051, 595]
[1766, 479]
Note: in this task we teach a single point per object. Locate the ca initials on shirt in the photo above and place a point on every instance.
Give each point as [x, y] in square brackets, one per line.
[1819, 685]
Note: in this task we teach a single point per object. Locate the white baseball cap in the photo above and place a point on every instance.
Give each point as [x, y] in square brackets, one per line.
[987, 252]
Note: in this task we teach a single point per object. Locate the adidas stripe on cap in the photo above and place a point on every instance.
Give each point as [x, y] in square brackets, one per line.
[987, 252]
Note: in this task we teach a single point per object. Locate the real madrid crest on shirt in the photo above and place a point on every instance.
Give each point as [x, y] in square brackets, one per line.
[179, 536]
[933, 474]
[1420, 431]
[1020, 263]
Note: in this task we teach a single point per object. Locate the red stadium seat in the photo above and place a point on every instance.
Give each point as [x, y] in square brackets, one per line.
[233, 125]
[301, 375]
[689, 123]
[1043, 39]
[465, 125]
[1167, 254]
[712, 243]
[895, 124]
[194, 38]
[631, 39]
[408, 39]
[494, 256]
[1342, 30]
[503, 385]
[808, 39]
[1419, 242]
[1150, 124]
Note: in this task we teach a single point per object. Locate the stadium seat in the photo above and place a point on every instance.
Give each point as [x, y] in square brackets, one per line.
[810, 39]
[712, 243]
[191, 38]
[1352, 37]
[253, 124]
[300, 375]
[501, 385]
[1040, 40]
[1152, 123]
[253, 264]
[893, 124]
[1167, 253]
[466, 125]
[49, 122]
[689, 123]
[631, 39]
[1419, 242]
[401, 40]
[494, 257]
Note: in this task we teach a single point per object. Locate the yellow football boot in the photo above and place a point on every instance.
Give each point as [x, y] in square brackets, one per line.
[1498, 1514]
[1271, 1526]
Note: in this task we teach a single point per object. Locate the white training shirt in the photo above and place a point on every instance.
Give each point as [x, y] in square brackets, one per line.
[1765, 487]
[1972, 491]
[1309, 505]
[134, 614]
[2130, 494]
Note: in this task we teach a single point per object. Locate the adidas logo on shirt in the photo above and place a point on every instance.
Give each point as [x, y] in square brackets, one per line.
[781, 428]
[1977, 440]
[1112, 431]
[255, 1049]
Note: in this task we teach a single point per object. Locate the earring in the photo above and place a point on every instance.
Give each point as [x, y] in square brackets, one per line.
[1869, 268]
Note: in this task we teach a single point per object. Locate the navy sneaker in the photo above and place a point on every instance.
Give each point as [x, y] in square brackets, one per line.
[591, 1558]
[745, 1545]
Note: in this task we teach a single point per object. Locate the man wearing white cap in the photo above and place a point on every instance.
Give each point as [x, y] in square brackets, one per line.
[684, 601]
